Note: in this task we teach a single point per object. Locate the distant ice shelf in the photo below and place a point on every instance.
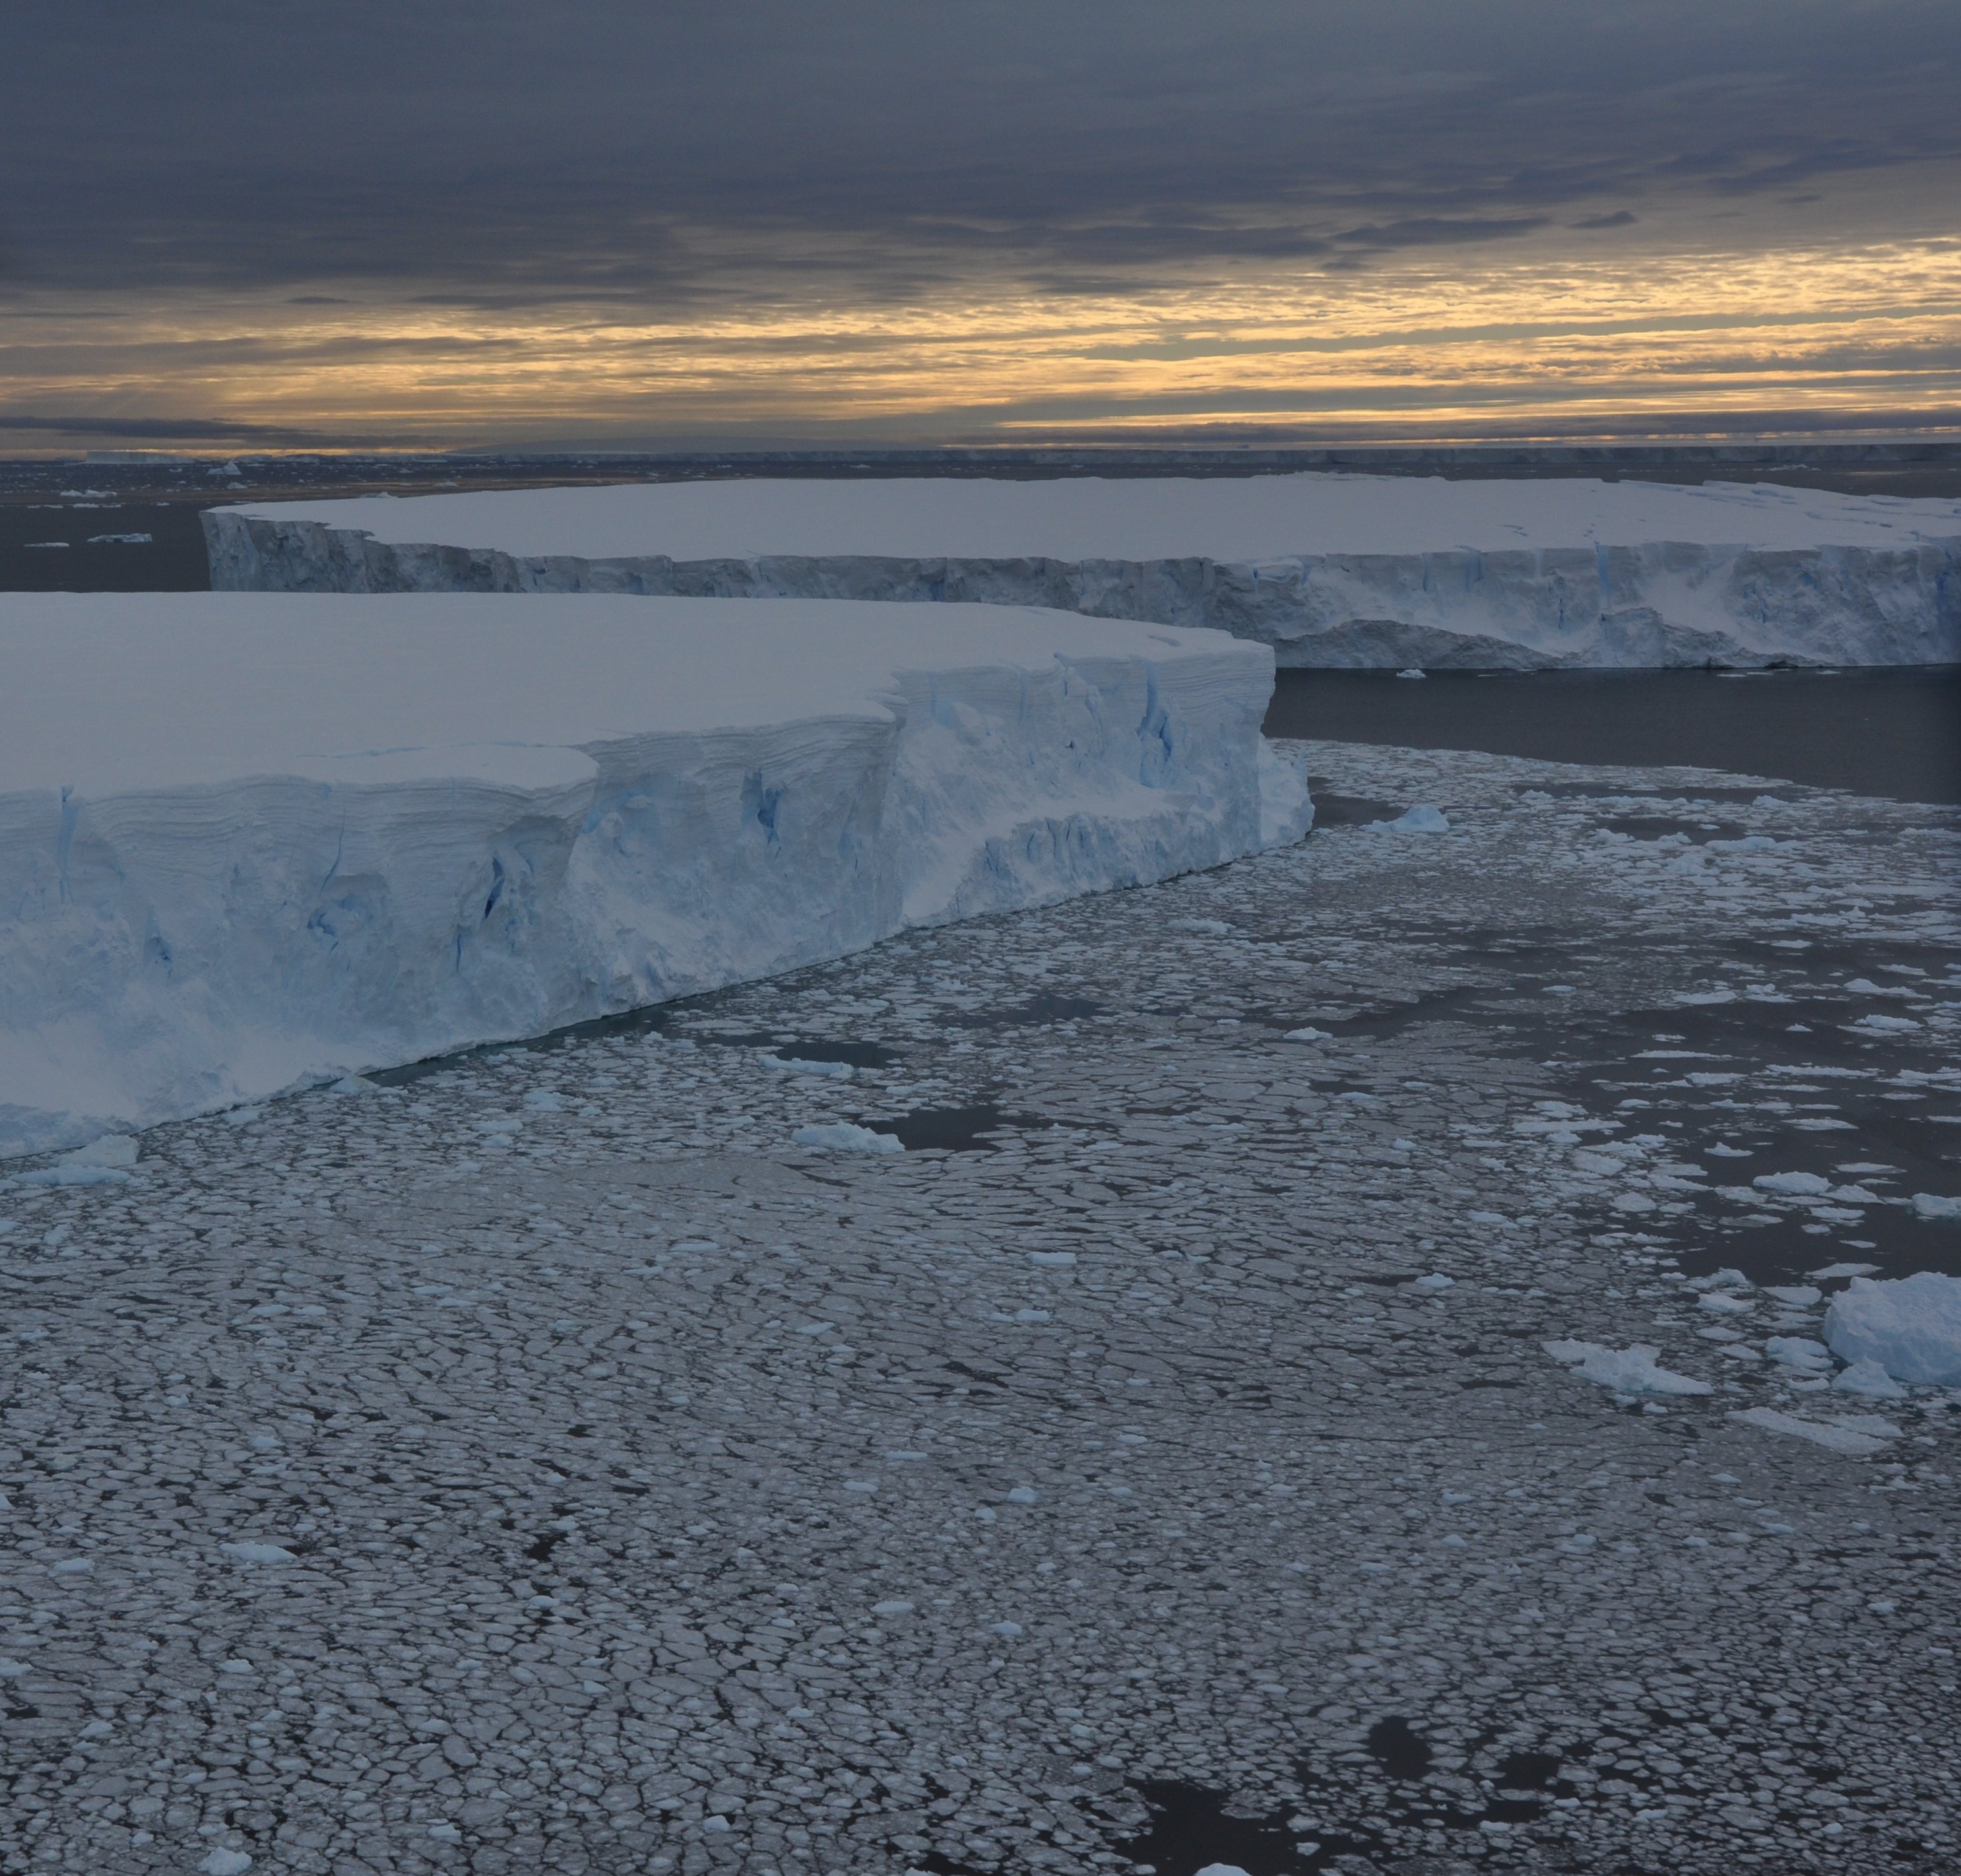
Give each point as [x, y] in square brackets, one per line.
[1336, 571]
[252, 842]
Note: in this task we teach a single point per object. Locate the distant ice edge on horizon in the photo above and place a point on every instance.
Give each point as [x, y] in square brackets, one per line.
[1558, 574]
[609, 804]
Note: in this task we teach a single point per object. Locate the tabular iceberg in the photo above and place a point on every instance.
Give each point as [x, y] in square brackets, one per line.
[1360, 572]
[249, 842]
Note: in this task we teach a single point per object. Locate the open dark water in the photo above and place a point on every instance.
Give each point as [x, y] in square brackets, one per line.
[1894, 733]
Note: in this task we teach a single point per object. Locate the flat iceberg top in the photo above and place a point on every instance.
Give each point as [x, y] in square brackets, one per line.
[110, 689]
[1228, 519]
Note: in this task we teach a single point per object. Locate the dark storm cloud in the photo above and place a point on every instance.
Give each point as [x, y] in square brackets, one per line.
[486, 151]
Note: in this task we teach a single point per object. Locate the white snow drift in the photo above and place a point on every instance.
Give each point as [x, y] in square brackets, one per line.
[1331, 570]
[249, 842]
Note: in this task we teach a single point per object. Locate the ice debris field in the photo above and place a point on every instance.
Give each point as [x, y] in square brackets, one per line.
[1330, 570]
[1348, 1366]
[252, 842]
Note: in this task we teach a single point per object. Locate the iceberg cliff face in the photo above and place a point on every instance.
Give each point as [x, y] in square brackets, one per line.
[250, 842]
[1332, 571]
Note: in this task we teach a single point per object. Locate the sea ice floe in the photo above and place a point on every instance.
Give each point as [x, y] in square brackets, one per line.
[797, 1065]
[1632, 1370]
[1422, 819]
[1932, 1205]
[1869, 1379]
[1911, 1327]
[257, 1553]
[844, 1137]
[1793, 1184]
[1800, 1351]
[1858, 1436]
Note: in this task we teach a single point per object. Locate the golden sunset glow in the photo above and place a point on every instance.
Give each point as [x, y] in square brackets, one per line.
[1549, 345]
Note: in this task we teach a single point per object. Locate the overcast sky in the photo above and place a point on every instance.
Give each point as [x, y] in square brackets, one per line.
[462, 219]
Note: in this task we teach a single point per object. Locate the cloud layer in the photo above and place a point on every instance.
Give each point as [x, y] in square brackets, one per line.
[215, 172]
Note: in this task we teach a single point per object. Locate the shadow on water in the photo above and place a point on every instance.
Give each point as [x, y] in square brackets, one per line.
[1334, 810]
[654, 1019]
[1893, 732]
[1031, 1013]
[960, 1129]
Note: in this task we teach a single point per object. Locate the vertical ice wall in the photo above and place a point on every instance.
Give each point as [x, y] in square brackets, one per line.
[251, 841]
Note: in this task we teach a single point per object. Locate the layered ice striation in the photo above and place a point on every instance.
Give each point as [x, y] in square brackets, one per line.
[250, 842]
[1330, 570]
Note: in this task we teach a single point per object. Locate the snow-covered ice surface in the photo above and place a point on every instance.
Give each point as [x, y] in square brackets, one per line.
[1381, 572]
[252, 840]
[611, 1433]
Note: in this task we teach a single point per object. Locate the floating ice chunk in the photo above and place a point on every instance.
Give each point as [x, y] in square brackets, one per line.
[545, 1100]
[1307, 1035]
[1023, 1494]
[1201, 927]
[1858, 1436]
[222, 1862]
[445, 1834]
[843, 1137]
[1412, 672]
[1800, 1351]
[1911, 1328]
[103, 1162]
[898, 1605]
[257, 1553]
[1233, 1869]
[1845, 1270]
[120, 540]
[799, 1065]
[1422, 818]
[1435, 1280]
[1932, 1205]
[72, 1566]
[1625, 1370]
[1007, 1630]
[1723, 1151]
[1052, 1260]
[1723, 1305]
[1884, 1025]
[1798, 1295]
[1793, 1184]
[1869, 1379]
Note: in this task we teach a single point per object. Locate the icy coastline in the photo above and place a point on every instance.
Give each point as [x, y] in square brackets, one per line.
[1334, 571]
[252, 842]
